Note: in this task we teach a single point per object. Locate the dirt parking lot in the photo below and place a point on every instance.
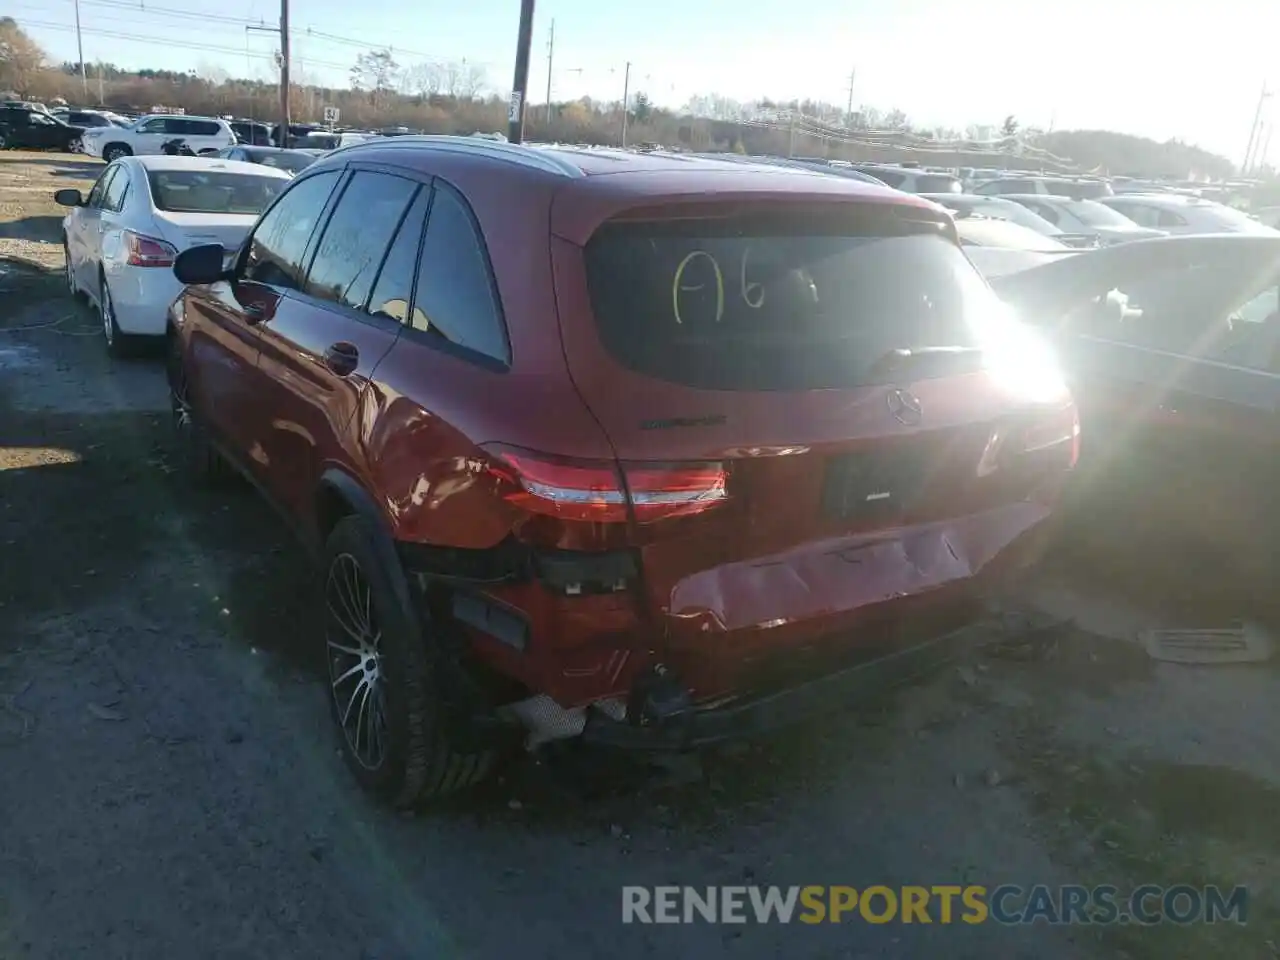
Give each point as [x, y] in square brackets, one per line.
[170, 785]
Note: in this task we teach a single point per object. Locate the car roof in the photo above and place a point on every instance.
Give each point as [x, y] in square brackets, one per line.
[1050, 197]
[166, 162]
[587, 186]
[1166, 199]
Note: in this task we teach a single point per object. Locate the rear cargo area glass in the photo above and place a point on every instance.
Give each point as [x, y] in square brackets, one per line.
[779, 303]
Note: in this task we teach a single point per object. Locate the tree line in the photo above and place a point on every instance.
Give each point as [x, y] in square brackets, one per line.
[458, 97]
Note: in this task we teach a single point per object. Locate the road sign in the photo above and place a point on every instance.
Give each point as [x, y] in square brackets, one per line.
[514, 109]
[330, 114]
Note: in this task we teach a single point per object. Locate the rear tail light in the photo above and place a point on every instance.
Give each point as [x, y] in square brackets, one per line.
[147, 251]
[598, 491]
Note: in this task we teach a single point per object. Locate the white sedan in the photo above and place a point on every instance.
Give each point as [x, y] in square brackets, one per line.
[121, 241]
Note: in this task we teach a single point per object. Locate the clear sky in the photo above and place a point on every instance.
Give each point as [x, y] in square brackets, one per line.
[1188, 70]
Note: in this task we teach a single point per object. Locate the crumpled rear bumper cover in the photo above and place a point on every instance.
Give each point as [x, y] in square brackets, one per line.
[747, 717]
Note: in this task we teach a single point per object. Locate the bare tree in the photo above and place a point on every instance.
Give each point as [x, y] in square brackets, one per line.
[471, 80]
[375, 71]
[21, 58]
[422, 80]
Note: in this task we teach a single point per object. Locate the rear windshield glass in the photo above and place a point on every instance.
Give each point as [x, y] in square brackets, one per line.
[205, 191]
[779, 304]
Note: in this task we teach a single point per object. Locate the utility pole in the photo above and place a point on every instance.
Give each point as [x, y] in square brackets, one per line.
[626, 96]
[551, 54]
[848, 114]
[102, 97]
[84, 77]
[1253, 130]
[791, 140]
[284, 73]
[520, 84]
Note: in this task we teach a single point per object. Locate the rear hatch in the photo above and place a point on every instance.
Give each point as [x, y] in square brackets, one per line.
[805, 424]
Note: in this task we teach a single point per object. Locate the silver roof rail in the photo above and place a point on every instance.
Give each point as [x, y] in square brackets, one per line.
[538, 159]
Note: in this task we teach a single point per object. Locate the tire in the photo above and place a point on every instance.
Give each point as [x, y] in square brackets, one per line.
[114, 151]
[4, 142]
[199, 459]
[413, 751]
[119, 345]
[70, 277]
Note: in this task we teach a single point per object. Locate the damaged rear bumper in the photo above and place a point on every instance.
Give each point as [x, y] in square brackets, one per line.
[749, 716]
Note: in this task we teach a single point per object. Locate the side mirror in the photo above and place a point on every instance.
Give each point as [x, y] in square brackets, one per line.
[203, 264]
[68, 198]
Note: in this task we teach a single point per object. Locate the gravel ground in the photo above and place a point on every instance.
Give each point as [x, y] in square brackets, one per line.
[171, 785]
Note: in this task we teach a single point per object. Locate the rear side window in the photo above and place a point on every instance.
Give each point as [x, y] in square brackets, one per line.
[455, 298]
[798, 302]
[357, 237]
[199, 128]
[394, 289]
[933, 183]
[280, 239]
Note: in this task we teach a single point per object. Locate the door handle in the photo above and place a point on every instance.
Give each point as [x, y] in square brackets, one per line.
[342, 358]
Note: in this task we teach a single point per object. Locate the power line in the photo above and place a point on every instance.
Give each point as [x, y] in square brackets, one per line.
[150, 12]
[182, 44]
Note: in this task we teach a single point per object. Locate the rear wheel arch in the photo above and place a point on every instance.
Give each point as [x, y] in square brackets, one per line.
[340, 495]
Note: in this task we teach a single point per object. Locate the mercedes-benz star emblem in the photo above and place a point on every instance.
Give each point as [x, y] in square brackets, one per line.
[904, 406]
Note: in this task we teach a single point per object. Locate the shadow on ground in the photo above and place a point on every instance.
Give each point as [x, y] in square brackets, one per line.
[69, 161]
[47, 228]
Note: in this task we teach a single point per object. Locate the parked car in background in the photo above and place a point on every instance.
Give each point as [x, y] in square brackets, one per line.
[86, 118]
[35, 130]
[290, 161]
[997, 247]
[121, 240]
[146, 136]
[251, 132]
[758, 484]
[910, 180]
[1172, 347]
[1082, 189]
[797, 163]
[1179, 214]
[297, 132]
[25, 105]
[1087, 218]
[323, 140]
[999, 208]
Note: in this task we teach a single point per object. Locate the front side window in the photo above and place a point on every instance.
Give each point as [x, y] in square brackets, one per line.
[800, 301]
[279, 242]
[158, 125]
[455, 299]
[100, 188]
[357, 236]
[113, 198]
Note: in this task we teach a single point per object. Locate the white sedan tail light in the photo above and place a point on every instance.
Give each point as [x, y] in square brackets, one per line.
[147, 251]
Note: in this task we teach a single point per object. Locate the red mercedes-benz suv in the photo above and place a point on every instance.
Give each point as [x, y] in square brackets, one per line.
[648, 449]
